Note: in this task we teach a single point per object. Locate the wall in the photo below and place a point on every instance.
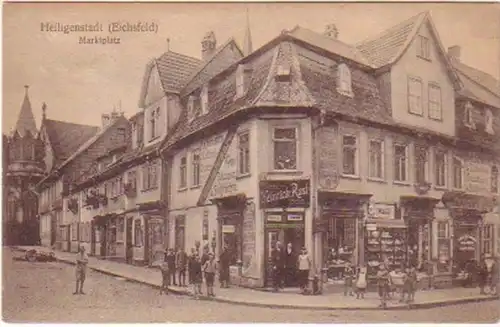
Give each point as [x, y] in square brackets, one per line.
[433, 70]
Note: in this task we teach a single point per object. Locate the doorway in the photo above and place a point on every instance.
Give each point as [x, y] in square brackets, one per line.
[128, 239]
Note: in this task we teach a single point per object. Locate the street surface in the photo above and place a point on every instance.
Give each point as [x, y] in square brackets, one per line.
[42, 292]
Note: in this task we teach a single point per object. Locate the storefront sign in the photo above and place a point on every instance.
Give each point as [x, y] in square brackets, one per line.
[285, 194]
[477, 177]
[295, 217]
[228, 229]
[381, 211]
[466, 243]
[371, 227]
[274, 218]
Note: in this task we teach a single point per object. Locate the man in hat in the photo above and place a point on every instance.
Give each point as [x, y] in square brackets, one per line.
[81, 269]
[489, 273]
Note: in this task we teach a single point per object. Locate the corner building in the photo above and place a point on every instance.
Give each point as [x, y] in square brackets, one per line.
[352, 152]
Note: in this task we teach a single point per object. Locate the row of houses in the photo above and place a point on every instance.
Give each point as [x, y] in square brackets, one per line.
[383, 151]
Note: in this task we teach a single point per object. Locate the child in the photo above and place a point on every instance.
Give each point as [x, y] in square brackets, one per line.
[405, 292]
[361, 283]
[165, 276]
[383, 282]
[195, 273]
[412, 284]
[348, 278]
[210, 268]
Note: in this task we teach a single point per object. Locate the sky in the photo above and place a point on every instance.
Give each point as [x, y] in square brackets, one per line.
[79, 82]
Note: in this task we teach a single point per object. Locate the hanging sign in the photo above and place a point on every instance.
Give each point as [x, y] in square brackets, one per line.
[228, 229]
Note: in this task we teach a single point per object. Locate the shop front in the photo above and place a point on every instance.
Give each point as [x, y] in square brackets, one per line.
[342, 217]
[150, 232]
[284, 204]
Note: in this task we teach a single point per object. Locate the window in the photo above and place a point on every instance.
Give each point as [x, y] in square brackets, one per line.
[376, 159]
[415, 96]
[344, 83]
[154, 120]
[204, 100]
[196, 168]
[349, 155]
[435, 110]
[285, 148]
[132, 178]
[468, 119]
[74, 231]
[400, 163]
[149, 176]
[421, 162]
[457, 173]
[120, 229]
[190, 108]
[138, 233]
[134, 135]
[244, 153]
[494, 179]
[183, 172]
[121, 134]
[180, 222]
[423, 48]
[240, 81]
[440, 168]
[487, 239]
[140, 134]
[443, 246]
[488, 122]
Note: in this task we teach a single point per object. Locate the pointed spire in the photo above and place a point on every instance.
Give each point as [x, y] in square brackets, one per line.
[26, 120]
[44, 111]
[247, 41]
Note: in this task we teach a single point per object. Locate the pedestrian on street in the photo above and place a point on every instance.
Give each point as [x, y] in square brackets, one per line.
[290, 259]
[348, 279]
[170, 259]
[304, 263]
[205, 255]
[181, 265]
[488, 274]
[165, 278]
[383, 283]
[209, 269]
[277, 266]
[195, 273]
[411, 283]
[361, 282]
[82, 260]
[224, 260]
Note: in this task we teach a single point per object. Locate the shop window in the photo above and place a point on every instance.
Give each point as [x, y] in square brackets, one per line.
[415, 96]
[443, 246]
[457, 173]
[440, 168]
[183, 172]
[349, 155]
[421, 163]
[157, 232]
[120, 229]
[494, 179]
[340, 244]
[196, 169]
[435, 109]
[231, 234]
[138, 233]
[487, 239]
[244, 153]
[423, 48]
[376, 159]
[180, 224]
[285, 148]
[400, 163]
[418, 243]
[385, 245]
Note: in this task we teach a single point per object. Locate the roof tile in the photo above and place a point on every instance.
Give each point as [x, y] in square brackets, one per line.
[175, 68]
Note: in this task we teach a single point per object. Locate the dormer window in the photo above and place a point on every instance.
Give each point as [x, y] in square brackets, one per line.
[468, 120]
[344, 83]
[204, 100]
[190, 107]
[134, 135]
[283, 72]
[154, 120]
[488, 121]
[240, 81]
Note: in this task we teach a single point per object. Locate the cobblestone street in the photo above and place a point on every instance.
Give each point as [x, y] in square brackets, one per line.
[42, 292]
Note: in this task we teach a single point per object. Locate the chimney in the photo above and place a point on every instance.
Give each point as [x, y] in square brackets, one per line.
[454, 52]
[105, 120]
[208, 45]
[331, 31]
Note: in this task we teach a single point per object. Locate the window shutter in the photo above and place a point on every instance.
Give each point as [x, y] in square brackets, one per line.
[434, 237]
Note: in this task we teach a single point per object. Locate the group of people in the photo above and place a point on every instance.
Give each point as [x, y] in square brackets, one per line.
[198, 266]
[290, 269]
[483, 273]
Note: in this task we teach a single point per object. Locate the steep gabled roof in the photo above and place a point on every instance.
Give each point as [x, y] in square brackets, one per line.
[26, 120]
[175, 68]
[329, 44]
[474, 91]
[387, 47]
[484, 79]
[65, 138]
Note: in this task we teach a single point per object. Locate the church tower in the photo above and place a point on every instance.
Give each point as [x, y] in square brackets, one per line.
[23, 168]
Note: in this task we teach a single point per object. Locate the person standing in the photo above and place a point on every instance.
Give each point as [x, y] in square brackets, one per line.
[304, 263]
[82, 260]
[412, 283]
[224, 260]
[361, 283]
[383, 283]
[165, 278]
[181, 264]
[348, 279]
[170, 259]
[205, 255]
[290, 259]
[489, 274]
[195, 273]
[277, 266]
[210, 268]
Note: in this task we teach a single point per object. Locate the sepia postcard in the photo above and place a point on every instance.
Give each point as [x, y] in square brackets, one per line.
[251, 162]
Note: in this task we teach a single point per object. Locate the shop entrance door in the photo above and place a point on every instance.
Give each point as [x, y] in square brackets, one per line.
[128, 239]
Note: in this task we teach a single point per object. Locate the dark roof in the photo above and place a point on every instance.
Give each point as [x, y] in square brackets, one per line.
[26, 120]
[478, 85]
[385, 48]
[327, 43]
[65, 138]
[174, 68]
[474, 91]
[478, 76]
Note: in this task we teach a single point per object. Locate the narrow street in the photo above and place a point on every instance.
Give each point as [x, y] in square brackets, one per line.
[42, 292]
